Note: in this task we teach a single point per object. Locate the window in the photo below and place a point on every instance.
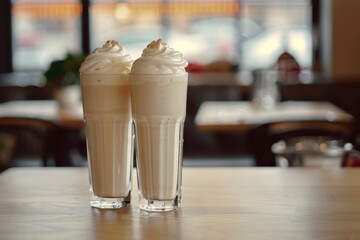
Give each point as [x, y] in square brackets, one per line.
[268, 28]
[134, 24]
[202, 30]
[44, 30]
[252, 33]
[205, 31]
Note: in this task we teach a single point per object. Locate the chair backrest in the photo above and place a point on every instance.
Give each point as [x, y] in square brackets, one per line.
[40, 130]
[263, 137]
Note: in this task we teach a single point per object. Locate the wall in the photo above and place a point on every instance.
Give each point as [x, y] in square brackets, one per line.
[340, 38]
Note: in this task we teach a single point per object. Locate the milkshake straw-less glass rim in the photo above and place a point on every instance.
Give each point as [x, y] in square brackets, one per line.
[158, 97]
[107, 113]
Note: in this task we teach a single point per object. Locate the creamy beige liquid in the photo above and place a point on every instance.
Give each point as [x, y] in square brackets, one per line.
[159, 108]
[107, 113]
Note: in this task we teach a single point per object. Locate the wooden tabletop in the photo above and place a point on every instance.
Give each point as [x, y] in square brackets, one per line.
[44, 109]
[218, 203]
[241, 116]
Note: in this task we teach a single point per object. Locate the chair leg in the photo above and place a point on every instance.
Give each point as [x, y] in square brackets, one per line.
[45, 155]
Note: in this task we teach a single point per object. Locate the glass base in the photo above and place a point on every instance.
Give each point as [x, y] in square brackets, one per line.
[159, 205]
[109, 203]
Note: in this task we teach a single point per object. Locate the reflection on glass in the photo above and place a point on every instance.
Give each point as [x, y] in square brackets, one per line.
[44, 31]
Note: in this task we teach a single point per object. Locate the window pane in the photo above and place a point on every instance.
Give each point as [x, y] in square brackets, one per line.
[205, 31]
[133, 24]
[43, 31]
[268, 28]
[202, 30]
[251, 32]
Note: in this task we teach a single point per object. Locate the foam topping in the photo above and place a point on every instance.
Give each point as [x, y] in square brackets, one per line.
[111, 58]
[159, 58]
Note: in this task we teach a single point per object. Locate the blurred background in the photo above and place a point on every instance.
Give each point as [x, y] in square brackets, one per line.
[250, 33]
[224, 42]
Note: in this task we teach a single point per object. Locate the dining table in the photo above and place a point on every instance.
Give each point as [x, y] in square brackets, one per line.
[50, 110]
[242, 116]
[217, 203]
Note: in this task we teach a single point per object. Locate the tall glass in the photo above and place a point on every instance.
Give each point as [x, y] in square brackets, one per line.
[159, 108]
[107, 114]
[265, 89]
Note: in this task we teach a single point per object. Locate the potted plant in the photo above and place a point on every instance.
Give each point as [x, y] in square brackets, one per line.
[63, 79]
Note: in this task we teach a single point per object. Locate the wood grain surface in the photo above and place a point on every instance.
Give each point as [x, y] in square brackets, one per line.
[218, 203]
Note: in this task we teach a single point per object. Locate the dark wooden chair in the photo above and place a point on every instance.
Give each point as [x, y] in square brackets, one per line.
[262, 138]
[42, 131]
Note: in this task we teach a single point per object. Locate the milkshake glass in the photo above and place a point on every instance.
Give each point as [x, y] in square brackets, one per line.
[107, 113]
[158, 99]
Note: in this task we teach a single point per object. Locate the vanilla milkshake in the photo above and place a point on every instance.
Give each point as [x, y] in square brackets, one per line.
[158, 97]
[107, 113]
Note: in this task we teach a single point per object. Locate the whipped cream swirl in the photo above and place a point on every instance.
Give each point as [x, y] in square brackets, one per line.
[159, 58]
[111, 58]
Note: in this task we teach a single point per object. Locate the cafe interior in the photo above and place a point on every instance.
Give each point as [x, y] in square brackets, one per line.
[271, 83]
